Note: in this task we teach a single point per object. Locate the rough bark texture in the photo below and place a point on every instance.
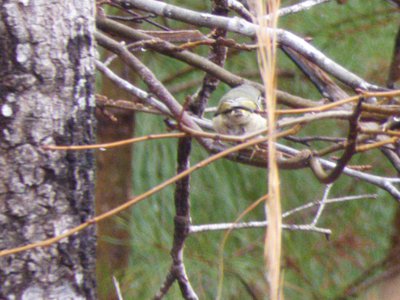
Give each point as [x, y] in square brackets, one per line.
[46, 97]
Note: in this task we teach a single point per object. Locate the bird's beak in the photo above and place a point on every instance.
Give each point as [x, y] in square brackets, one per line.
[237, 112]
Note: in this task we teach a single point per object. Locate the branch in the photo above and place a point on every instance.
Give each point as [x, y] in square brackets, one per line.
[130, 88]
[148, 77]
[169, 49]
[382, 182]
[305, 5]
[144, 96]
[132, 201]
[394, 73]
[103, 102]
[182, 220]
[240, 9]
[347, 154]
[322, 205]
[120, 143]
[217, 55]
[194, 60]
[262, 224]
[248, 29]
[385, 183]
[328, 201]
[326, 86]
[254, 224]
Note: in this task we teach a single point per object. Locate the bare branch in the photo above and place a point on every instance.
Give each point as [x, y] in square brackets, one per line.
[305, 5]
[195, 60]
[127, 86]
[261, 224]
[248, 29]
[182, 220]
[144, 96]
[328, 201]
[148, 77]
[322, 205]
[240, 9]
[385, 183]
[216, 55]
[254, 224]
[394, 74]
[348, 153]
[326, 86]
[117, 288]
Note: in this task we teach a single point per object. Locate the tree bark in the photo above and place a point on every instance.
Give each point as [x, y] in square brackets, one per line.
[46, 97]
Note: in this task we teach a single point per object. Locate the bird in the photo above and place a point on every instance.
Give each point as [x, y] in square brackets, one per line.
[238, 112]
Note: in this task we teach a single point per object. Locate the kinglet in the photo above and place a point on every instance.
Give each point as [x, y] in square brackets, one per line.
[237, 112]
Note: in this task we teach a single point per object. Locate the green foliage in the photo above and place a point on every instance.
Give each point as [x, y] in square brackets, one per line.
[360, 36]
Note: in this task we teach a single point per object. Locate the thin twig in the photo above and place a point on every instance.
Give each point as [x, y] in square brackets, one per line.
[328, 201]
[322, 205]
[240, 9]
[348, 153]
[117, 143]
[169, 280]
[254, 224]
[305, 5]
[385, 183]
[257, 224]
[127, 86]
[216, 55]
[117, 288]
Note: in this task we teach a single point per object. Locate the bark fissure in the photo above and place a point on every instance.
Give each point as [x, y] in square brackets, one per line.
[46, 96]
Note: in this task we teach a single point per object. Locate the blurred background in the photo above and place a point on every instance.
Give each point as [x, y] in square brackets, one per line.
[360, 258]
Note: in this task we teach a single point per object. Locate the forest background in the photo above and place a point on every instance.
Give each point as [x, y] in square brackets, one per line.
[359, 35]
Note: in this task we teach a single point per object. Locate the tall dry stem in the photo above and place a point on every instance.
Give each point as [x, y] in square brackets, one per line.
[267, 61]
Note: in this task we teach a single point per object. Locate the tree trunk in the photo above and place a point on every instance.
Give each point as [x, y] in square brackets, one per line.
[46, 97]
